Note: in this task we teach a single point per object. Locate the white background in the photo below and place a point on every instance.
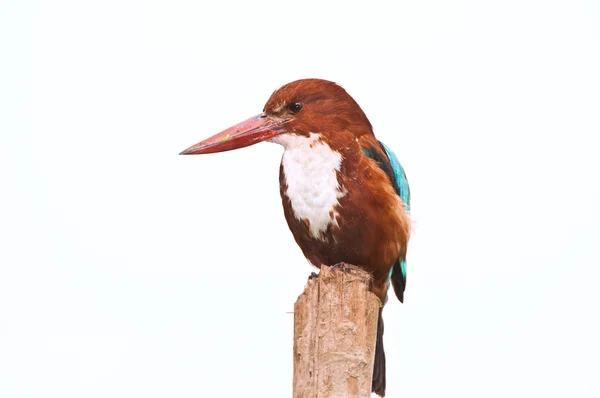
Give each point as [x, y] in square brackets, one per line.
[129, 271]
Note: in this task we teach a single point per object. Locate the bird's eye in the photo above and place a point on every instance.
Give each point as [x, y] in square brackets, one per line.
[295, 107]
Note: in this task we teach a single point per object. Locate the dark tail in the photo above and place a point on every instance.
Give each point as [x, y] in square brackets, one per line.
[399, 280]
[378, 386]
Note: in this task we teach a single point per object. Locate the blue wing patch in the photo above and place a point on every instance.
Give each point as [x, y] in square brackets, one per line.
[400, 176]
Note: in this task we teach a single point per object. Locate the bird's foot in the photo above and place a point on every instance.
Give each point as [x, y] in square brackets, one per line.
[313, 275]
[342, 267]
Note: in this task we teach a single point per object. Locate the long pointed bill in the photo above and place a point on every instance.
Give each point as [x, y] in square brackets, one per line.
[249, 132]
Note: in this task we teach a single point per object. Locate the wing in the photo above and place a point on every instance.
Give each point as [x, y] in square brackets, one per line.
[399, 177]
[392, 167]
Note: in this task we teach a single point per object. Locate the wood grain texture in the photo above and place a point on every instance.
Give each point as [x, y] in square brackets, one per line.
[335, 328]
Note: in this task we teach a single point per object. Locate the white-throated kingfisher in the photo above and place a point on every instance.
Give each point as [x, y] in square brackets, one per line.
[345, 195]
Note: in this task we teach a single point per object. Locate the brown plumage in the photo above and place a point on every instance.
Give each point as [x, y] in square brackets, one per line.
[372, 228]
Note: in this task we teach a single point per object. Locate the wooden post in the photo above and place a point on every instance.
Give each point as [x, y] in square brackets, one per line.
[335, 328]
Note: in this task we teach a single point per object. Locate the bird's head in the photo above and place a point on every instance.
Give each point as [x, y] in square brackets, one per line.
[300, 108]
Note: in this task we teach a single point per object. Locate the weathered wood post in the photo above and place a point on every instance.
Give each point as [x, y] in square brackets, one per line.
[335, 328]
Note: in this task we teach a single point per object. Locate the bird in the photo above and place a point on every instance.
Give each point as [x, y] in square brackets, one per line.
[345, 195]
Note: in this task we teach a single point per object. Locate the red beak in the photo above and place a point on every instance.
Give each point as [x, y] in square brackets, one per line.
[249, 132]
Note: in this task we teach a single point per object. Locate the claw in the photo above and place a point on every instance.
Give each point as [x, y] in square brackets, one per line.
[342, 267]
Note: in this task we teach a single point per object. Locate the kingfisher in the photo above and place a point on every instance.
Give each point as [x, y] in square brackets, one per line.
[345, 195]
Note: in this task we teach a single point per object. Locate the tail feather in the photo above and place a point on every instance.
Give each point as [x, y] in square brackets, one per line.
[399, 279]
[378, 384]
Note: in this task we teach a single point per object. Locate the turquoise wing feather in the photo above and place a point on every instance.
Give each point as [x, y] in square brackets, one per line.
[399, 176]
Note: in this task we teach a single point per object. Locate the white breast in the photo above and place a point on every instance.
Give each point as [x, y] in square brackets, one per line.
[310, 167]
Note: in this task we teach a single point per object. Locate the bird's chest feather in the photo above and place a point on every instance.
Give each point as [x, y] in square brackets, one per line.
[309, 177]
